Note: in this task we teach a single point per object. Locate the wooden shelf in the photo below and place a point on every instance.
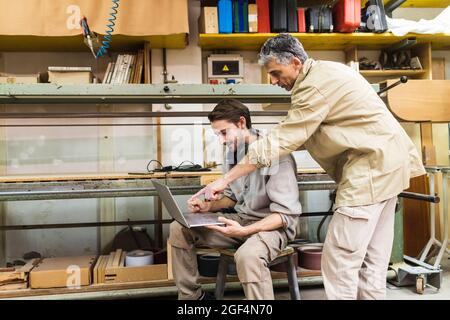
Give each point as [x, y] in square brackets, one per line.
[392, 73]
[421, 3]
[319, 41]
[120, 43]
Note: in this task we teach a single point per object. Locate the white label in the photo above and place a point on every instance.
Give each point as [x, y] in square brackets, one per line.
[74, 278]
[73, 20]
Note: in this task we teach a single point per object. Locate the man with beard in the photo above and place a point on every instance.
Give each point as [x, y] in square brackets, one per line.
[266, 208]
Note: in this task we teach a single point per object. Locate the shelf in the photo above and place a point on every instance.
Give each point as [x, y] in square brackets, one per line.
[421, 3]
[392, 73]
[119, 43]
[139, 93]
[319, 41]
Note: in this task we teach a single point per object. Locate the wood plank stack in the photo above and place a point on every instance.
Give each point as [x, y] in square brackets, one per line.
[16, 278]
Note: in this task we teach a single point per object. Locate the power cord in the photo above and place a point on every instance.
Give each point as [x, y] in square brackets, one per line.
[148, 164]
[180, 168]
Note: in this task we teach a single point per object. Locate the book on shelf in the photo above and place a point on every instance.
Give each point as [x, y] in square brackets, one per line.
[127, 68]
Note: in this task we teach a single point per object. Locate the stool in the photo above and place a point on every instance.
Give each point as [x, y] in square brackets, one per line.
[285, 256]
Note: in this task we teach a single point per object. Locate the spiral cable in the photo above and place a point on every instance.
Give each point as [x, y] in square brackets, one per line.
[108, 37]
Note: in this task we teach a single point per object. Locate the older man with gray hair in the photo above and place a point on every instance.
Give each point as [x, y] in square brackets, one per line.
[337, 116]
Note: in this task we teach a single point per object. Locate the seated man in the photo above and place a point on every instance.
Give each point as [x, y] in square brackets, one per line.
[267, 207]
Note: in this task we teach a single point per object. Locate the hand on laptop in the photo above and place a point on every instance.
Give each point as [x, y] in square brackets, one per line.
[231, 229]
[197, 205]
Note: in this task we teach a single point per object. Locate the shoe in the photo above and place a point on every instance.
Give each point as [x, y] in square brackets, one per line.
[207, 296]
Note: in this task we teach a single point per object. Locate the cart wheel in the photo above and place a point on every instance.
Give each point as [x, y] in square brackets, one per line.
[420, 284]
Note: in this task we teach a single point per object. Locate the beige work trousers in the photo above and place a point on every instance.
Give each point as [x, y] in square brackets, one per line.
[357, 250]
[252, 258]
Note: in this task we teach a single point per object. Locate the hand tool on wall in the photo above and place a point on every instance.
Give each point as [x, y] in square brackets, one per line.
[90, 38]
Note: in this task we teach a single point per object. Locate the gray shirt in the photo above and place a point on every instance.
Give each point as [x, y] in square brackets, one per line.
[265, 191]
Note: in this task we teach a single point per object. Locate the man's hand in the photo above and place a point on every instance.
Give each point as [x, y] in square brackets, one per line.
[197, 205]
[231, 228]
[212, 190]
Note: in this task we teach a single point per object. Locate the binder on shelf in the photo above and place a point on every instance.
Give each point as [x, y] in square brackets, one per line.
[240, 16]
[263, 16]
[301, 20]
[278, 19]
[252, 18]
[225, 12]
[291, 15]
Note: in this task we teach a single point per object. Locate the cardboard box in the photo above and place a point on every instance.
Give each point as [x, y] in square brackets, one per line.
[112, 269]
[16, 79]
[208, 21]
[62, 272]
[70, 77]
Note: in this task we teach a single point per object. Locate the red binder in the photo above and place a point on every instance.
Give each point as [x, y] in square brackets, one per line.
[301, 19]
[263, 16]
[347, 15]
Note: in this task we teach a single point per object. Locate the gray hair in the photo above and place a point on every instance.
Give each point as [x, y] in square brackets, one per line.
[282, 48]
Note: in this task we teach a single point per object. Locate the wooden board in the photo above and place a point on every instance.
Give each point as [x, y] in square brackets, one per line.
[416, 218]
[121, 176]
[101, 176]
[19, 274]
[14, 286]
[420, 100]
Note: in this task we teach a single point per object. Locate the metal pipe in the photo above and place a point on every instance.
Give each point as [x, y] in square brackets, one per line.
[158, 114]
[421, 197]
[118, 124]
[84, 224]
[118, 223]
[403, 79]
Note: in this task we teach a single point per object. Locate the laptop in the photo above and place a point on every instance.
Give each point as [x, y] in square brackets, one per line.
[189, 220]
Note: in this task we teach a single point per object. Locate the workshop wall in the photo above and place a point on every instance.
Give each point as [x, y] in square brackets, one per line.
[68, 149]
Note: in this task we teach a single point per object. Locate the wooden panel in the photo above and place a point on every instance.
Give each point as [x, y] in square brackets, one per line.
[423, 51]
[351, 54]
[120, 43]
[441, 142]
[438, 68]
[428, 149]
[420, 100]
[169, 262]
[120, 176]
[416, 219]
[3, 171]
[393, 73]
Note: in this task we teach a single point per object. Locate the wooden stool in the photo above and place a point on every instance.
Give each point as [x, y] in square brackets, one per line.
[285, 256]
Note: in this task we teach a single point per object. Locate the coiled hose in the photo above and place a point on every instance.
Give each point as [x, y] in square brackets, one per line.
[110, 29]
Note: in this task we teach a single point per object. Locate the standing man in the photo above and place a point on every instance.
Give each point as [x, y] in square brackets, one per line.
[337, 116]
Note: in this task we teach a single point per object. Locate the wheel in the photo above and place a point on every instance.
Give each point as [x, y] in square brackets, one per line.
[420, 284]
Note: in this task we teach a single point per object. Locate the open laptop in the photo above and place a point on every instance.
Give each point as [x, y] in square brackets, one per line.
[189, 220]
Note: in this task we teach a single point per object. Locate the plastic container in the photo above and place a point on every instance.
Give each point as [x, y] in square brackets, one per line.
[347, 15]
[310, 256]
[208, 265]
